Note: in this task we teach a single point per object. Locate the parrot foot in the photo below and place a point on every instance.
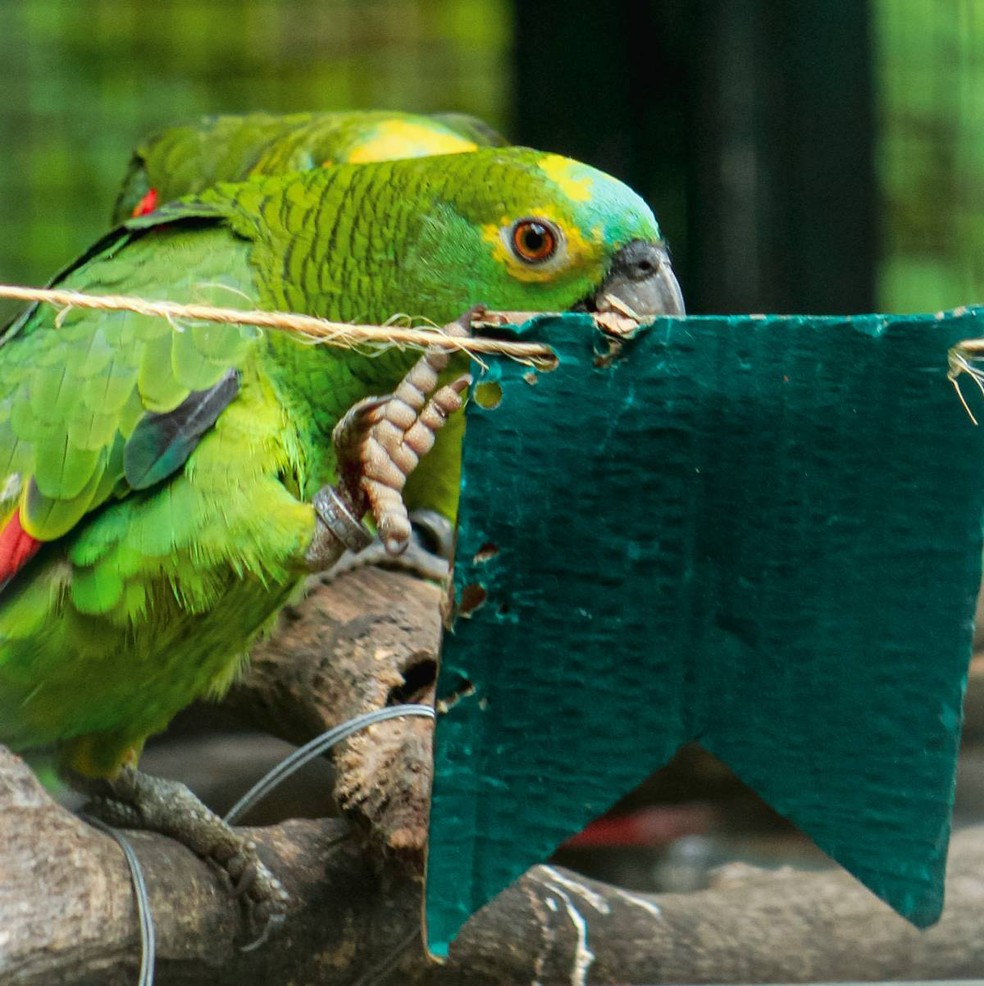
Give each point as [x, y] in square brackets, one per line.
[428, 555]
[382, 439]
[138, 801]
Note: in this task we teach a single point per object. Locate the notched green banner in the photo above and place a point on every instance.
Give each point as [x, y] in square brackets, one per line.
[762, 534]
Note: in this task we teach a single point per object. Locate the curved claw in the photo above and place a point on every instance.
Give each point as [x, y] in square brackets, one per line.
[349, 435]
[272, 924]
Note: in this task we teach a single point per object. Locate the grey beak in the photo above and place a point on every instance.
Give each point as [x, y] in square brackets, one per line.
[642, 281]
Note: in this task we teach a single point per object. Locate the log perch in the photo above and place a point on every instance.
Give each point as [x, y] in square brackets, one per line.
[370, 638]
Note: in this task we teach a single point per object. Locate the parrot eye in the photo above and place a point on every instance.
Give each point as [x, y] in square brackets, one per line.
[534, 240]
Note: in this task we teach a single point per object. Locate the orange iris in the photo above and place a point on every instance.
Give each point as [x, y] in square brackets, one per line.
[533, 241]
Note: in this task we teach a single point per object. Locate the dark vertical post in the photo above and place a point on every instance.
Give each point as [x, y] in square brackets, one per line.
[748, 124]
[608, 83]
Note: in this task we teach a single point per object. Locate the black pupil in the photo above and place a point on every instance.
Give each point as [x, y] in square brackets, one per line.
[534, 238]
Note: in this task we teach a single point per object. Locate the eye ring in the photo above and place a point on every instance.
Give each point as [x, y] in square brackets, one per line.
[534, 240]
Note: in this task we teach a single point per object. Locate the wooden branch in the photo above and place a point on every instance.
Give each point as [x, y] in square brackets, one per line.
[67, 917]
[67, 912]
[66, 904]
[752, 926]
[352, 647]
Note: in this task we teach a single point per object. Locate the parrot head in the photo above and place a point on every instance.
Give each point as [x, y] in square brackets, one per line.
[518, 229]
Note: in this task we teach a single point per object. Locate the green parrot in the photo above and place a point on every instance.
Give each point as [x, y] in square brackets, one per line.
[188, 158]
[157, 480]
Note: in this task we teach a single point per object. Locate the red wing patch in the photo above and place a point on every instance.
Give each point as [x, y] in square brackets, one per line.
[147, 204]
[17, 547]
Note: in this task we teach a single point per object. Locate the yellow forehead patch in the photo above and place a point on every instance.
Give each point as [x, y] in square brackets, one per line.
[393, 139]
[562, 172]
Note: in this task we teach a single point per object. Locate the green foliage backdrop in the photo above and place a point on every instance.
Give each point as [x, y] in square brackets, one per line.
[929, 61]
[82, 80]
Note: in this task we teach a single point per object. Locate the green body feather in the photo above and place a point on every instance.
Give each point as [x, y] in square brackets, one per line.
[189, 158]
[144, 599]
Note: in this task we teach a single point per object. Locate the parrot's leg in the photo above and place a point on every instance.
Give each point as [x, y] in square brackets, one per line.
[380, 441]
[339, 526]
[427, 556]
[135, 800]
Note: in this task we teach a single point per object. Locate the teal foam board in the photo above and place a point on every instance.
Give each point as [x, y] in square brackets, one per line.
[759, 533]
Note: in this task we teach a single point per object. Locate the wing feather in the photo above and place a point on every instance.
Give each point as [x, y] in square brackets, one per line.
[103, 403]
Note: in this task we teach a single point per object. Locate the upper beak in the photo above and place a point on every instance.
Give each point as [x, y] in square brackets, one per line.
[640, 280]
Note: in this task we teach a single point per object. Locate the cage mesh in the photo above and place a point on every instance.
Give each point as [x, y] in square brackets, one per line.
[82, 81]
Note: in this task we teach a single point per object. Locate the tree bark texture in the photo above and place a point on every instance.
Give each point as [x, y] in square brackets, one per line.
[367, 639]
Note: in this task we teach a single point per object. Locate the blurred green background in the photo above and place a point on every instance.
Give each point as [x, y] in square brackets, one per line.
[821, 156]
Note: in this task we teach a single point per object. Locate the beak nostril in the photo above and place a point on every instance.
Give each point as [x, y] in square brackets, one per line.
[640, 277]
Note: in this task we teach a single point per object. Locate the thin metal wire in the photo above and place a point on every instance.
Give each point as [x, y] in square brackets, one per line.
[317, 746]
[377, 973]
[291, 764]
[148, 937]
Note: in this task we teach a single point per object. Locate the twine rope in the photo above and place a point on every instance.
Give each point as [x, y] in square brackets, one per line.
[966, 357]
[341, 334]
